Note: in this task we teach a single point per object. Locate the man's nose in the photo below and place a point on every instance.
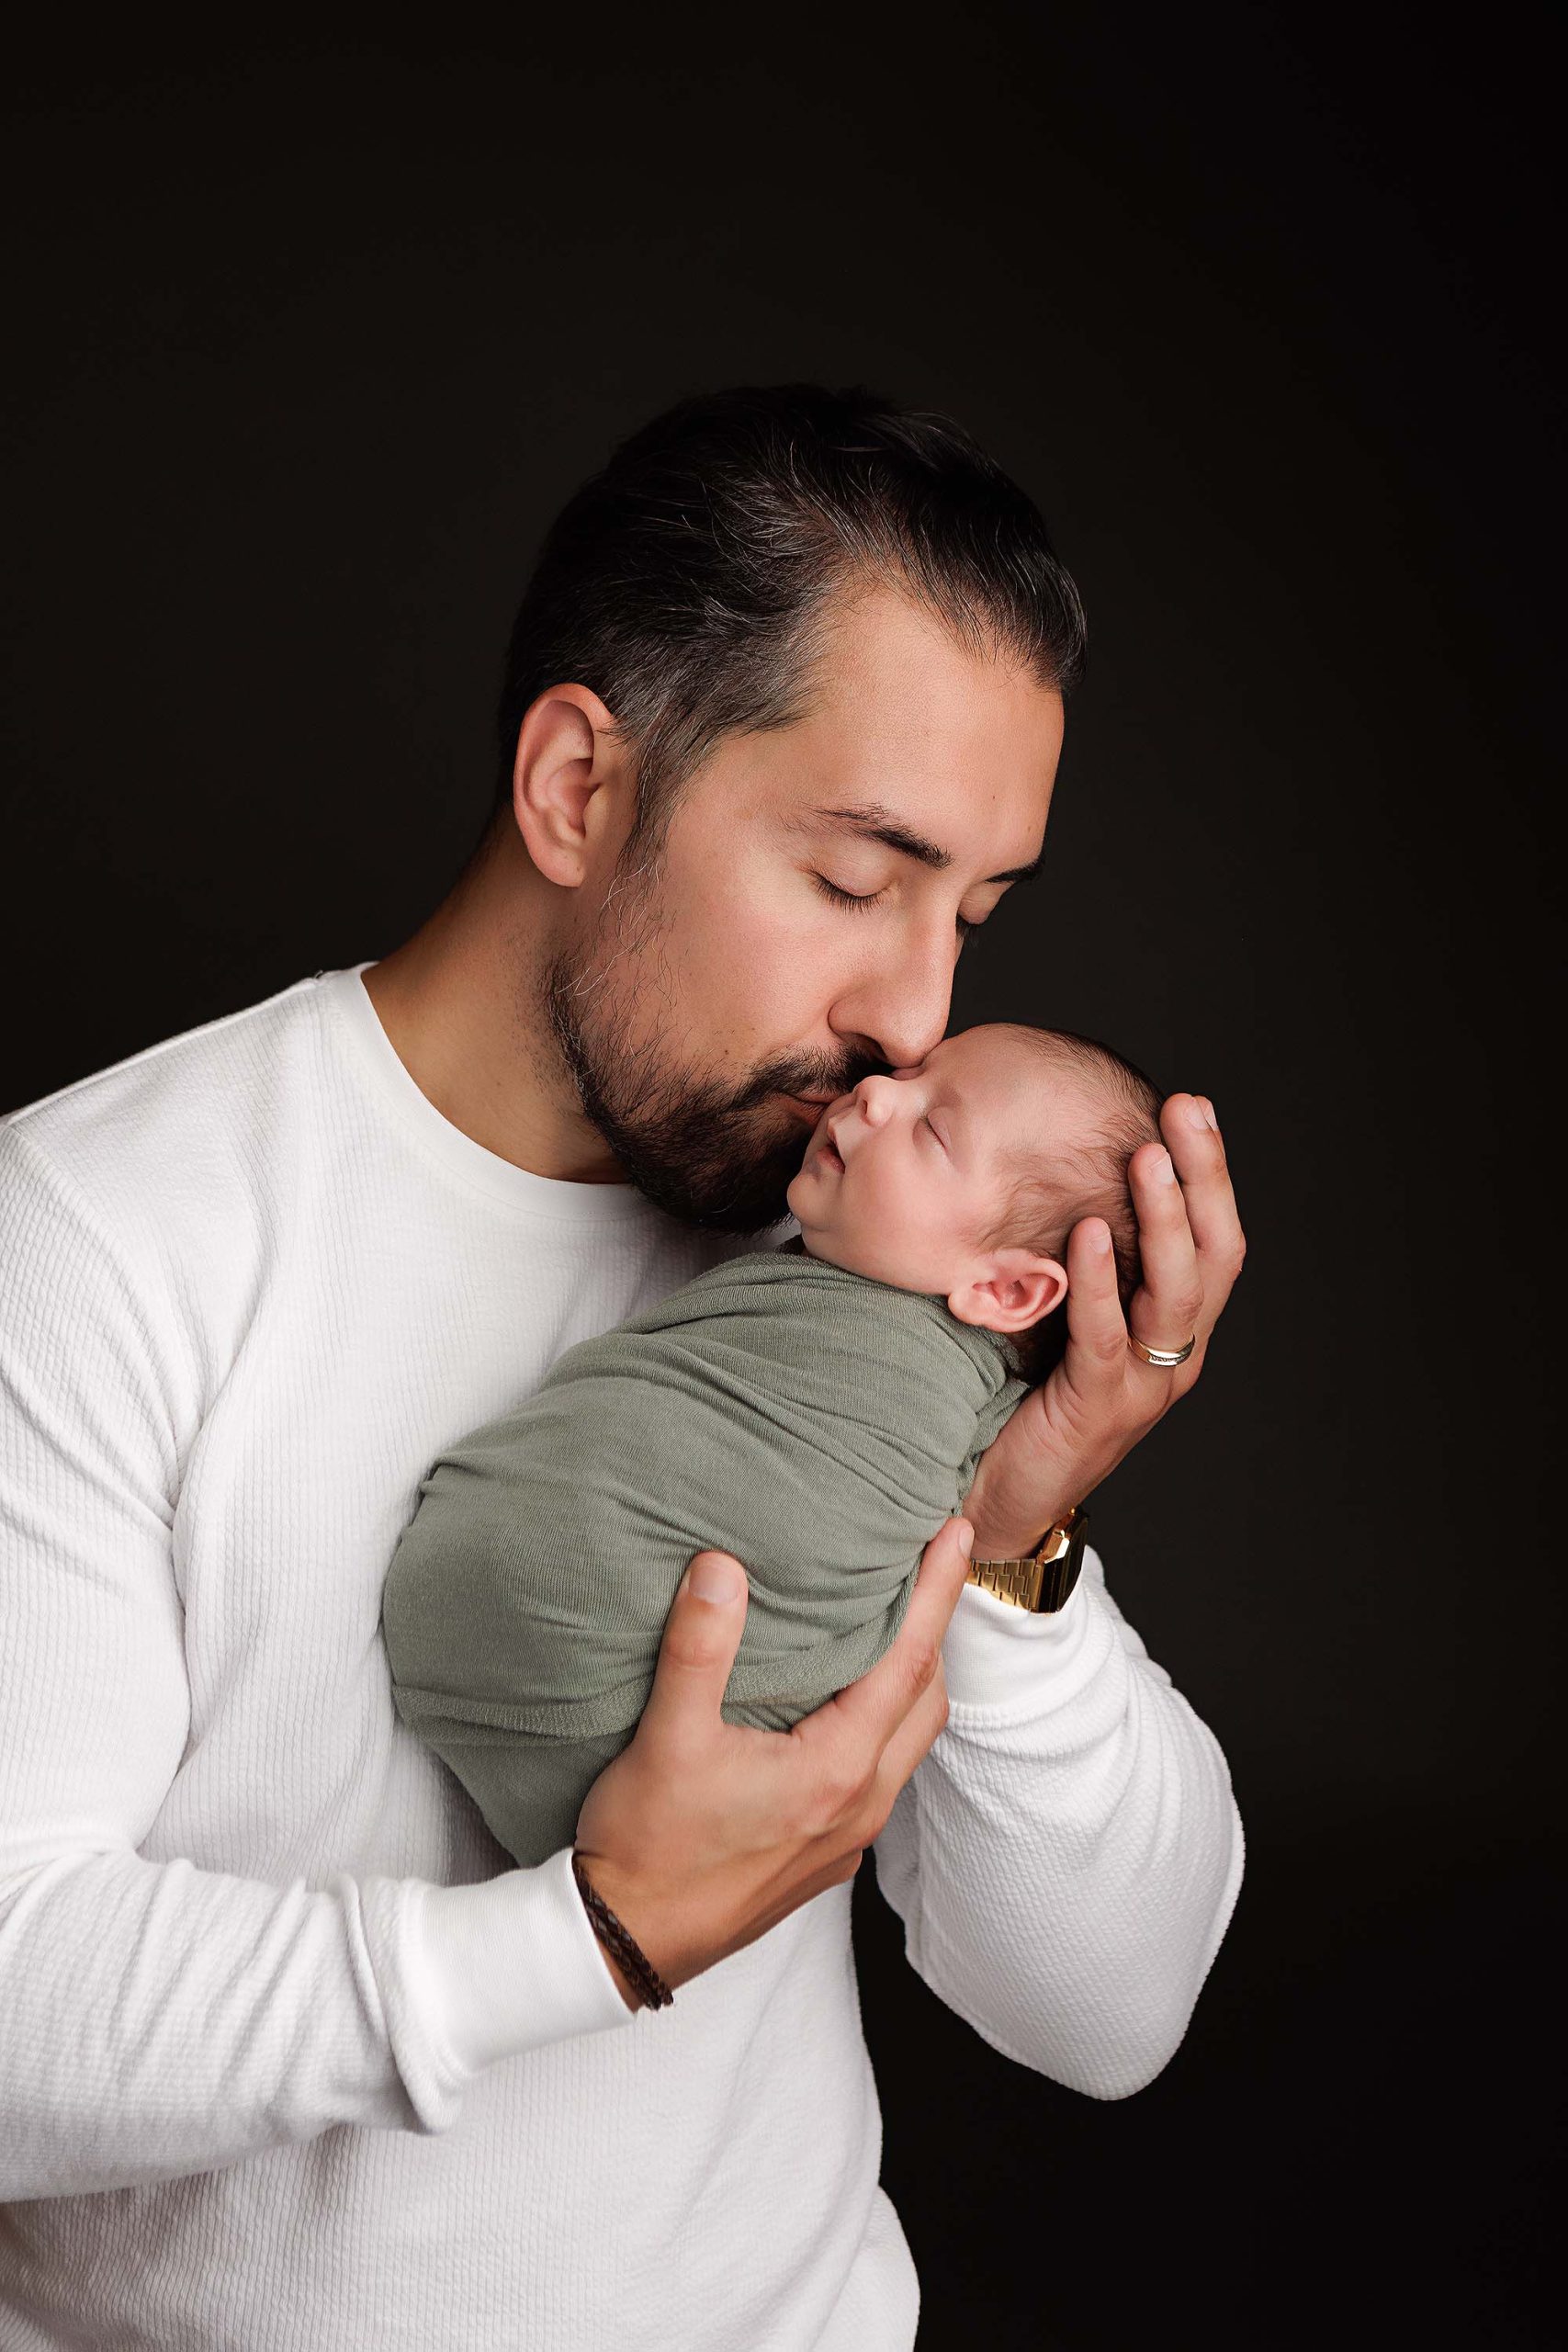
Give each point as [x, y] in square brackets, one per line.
[905, 1013]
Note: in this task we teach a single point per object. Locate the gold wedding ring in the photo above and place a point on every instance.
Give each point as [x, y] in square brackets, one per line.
[1167, 1358]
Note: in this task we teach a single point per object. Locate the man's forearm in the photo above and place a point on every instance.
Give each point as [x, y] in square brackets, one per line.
[156, 2019]
[1067, 1856]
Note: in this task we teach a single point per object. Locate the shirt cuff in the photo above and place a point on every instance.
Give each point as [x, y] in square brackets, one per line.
[511, 1964]
[994, 1653]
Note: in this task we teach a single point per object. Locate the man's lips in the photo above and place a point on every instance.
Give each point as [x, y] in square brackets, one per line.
[812, 1107]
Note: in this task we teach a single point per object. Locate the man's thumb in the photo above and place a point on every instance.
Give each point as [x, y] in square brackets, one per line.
[714, 1577]
[702, 1634]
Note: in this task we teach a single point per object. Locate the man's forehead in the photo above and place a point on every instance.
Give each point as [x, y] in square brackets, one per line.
[955, 744]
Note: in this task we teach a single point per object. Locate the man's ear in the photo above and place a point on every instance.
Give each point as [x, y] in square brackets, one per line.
[1009, 1290]
[568, 776]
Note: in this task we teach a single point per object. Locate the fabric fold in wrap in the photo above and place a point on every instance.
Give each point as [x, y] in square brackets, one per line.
[816, 1423]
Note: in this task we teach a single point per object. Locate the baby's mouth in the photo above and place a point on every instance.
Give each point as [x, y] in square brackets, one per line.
[828, 1154]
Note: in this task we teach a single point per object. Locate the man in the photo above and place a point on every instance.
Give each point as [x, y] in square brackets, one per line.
[782, 717]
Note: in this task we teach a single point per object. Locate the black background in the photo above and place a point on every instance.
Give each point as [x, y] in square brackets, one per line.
[309, 343]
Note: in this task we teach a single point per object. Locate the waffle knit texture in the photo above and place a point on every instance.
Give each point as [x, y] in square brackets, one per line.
[292, 2058]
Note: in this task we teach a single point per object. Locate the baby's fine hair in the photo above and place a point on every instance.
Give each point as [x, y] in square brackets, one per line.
[1045, 1198]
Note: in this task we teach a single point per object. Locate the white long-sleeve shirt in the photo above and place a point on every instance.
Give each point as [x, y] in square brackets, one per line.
[291, 2055]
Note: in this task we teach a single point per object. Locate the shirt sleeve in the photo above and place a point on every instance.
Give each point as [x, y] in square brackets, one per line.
[157, 2019]
[1067, 1856]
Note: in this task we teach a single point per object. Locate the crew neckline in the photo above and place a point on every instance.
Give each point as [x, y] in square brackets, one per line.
[473, 1163]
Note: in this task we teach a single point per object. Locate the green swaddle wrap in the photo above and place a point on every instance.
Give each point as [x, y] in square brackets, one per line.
[819, 1424]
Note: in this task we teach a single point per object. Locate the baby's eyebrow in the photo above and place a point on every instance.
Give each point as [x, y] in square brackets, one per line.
[952, 1103]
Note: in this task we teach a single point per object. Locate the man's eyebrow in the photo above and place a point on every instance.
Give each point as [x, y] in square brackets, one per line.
[875, 823]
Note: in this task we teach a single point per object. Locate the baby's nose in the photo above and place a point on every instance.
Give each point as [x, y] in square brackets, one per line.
[875, 1100]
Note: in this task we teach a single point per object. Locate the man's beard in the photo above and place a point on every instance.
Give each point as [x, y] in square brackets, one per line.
[703, 1152]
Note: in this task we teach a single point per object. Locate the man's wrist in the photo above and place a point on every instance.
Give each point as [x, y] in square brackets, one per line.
[1001, 1532]
[601, 1881]
[992, 1538]
[989, 1547]
[623, 1984]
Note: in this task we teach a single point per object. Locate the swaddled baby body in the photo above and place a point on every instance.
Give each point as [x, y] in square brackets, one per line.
[816, 1410]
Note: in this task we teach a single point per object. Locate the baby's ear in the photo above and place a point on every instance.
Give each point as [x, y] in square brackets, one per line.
[1009, 1290]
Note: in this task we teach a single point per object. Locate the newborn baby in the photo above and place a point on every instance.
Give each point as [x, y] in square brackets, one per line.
[816, 1410]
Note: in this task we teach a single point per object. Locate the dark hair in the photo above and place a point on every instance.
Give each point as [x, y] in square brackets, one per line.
[684, 582]
[1046, 1199]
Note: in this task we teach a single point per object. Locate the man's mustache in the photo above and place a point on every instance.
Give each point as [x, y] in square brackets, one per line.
[789, 1082]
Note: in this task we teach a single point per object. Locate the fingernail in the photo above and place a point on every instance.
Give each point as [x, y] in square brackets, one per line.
[1209, 1118]
[1161, 1169]
[1196, 1117]
[965, 1537]
[1100, 1240]
[712, 1580]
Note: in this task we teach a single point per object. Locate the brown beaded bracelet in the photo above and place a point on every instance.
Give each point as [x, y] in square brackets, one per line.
[646, 1982]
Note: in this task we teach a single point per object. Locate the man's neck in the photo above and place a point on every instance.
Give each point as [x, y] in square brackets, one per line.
[463, 1016]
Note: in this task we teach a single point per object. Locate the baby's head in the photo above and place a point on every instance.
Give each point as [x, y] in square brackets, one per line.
[964, 1178]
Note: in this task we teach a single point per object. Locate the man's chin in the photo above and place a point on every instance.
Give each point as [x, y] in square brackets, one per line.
[741, 1217]
[740, 1201]
[665, 1149]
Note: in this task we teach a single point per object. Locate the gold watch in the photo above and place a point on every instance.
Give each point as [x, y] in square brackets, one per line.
[1043, 1582]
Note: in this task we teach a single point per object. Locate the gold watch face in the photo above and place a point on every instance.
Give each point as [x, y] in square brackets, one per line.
[1044, 1582]
[1066, 1567]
